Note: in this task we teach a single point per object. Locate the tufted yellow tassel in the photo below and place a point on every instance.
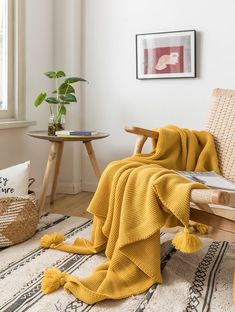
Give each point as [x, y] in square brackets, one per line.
[52, 280]
[201, 228]
[51, 240]
[186, 241]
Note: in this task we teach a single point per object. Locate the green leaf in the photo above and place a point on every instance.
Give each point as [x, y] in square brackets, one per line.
[63, 110]
[68, 98]
[50, 74]
[74, 79]
[40, 99]
[60, 74]
[52, 100]
[64, 87]
[68, 89]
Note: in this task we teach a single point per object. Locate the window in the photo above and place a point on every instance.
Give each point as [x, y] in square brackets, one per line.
[2, 49]
[11, 62]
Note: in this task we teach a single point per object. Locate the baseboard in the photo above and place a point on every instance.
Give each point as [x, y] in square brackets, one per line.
[63, 187]
[89, 187]
[69, 188]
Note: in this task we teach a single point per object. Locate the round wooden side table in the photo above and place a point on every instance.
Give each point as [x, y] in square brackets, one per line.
[55, 155]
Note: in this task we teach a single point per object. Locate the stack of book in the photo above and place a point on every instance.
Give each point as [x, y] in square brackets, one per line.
[209, 178]
[75, 133]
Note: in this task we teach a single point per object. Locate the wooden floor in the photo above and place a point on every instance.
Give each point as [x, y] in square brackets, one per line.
[76, 205]
[71, 205]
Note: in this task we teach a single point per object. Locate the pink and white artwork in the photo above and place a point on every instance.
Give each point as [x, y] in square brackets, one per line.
[166, 55]
[164, 60]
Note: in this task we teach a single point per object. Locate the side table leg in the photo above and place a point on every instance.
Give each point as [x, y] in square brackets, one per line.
[92, 157]
[56, 170]
[51, 158]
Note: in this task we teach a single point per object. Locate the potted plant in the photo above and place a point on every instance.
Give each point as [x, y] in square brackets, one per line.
[63, 95]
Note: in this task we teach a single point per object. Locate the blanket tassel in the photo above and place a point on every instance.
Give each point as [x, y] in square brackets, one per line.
[186, 242]
[52, 280]
[51, 240]
[200, 228]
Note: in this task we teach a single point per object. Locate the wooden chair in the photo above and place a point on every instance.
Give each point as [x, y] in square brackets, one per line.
[221, 124]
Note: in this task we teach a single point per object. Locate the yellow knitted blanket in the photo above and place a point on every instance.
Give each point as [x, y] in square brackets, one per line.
[135, 197]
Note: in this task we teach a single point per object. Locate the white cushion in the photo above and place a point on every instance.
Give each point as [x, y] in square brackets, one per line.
[14, 180]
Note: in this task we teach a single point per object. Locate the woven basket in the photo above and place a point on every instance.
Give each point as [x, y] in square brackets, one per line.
[19, 218]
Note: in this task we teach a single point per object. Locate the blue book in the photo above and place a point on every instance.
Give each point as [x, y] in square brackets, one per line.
[76, 132]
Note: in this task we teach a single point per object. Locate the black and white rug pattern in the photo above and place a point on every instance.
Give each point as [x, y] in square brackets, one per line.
[192, 283]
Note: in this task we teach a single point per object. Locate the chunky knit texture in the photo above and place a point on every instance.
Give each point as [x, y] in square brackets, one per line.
[135, 197]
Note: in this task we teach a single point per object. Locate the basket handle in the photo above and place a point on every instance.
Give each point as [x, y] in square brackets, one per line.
[31, 181]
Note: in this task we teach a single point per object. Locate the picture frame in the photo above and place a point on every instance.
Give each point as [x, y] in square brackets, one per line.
[166, 55]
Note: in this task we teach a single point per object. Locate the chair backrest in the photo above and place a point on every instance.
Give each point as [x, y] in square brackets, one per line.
[221, 124]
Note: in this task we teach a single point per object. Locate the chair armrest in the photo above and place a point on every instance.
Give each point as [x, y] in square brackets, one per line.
[142, 131]
[217, 197]
[142, 134]
[202, 213]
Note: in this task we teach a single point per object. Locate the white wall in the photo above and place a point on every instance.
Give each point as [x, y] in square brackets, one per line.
[15, 146]
[67, 57]
[53, 42]
[114, 98]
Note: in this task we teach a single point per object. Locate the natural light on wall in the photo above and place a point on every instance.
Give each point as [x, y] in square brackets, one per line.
[6, 60]
[12, 63]
[2, 52]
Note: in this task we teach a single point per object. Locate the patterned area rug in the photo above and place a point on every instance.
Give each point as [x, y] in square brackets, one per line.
[196, 282]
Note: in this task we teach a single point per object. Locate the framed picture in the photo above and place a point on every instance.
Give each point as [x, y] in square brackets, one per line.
[166, 55]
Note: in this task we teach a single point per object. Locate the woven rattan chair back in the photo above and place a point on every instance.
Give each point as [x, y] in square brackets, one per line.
[221, 124]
